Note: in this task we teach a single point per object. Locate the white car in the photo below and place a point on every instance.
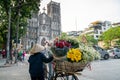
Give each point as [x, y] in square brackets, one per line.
[115, 53]
[104, 54]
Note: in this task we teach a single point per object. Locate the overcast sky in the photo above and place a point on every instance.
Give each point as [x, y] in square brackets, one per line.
[78, 14]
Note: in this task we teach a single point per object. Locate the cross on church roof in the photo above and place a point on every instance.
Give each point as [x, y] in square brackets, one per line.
[44, 9]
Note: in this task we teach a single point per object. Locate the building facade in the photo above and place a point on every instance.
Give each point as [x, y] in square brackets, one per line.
[44, 26]
[100, 27]
[116, 24]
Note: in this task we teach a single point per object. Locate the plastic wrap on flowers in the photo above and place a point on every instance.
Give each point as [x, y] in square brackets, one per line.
[60, 52]
[60, 47]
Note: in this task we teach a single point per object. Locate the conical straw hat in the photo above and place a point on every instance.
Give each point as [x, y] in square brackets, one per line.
[36, 48]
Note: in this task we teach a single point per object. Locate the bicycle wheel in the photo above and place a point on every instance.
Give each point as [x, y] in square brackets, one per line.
[74, 77]
[49, 72]
[60, 76]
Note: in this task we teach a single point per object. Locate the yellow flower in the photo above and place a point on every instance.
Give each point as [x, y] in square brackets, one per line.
[74, 55]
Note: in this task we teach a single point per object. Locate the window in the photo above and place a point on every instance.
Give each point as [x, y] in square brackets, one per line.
[96, 31]
[117, 50]
[96, 36]
[44, 18]
[101, 32]
[43, 27]
[43, 42]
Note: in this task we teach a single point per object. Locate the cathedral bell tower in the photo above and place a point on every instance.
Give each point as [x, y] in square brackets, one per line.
[53, 11]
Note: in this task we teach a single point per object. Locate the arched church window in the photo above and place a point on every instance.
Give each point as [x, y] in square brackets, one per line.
[43, 42]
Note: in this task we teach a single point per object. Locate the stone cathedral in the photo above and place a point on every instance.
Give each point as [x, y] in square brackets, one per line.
[44, 26]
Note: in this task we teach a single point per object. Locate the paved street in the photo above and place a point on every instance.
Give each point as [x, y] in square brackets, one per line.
[101, 70]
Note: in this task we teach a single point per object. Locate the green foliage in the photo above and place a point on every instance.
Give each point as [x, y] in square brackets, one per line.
[89, 53]
[73, 40]
[63, 35]
[111, 34]
[90, 39]
[24, 7]
[118, 43]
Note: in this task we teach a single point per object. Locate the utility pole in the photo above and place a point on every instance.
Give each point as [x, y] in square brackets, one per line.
[8, 37]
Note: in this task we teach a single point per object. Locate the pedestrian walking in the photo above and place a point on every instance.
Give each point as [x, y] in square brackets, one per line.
[3, 53]
[36, 62]
[20, 52]
[23, 55]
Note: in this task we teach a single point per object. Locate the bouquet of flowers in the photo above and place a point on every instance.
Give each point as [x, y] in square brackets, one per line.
[89, 53]
[83, 54]
[73, 50]
[61, 46]
[72, 55]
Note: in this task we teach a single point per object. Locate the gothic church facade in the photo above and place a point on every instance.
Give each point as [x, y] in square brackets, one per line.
[42, 27]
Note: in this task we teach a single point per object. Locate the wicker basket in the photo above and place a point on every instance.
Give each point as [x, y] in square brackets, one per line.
[65, 66]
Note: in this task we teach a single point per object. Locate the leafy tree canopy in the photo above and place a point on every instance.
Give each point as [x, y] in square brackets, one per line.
[111, 34]
[19, 8]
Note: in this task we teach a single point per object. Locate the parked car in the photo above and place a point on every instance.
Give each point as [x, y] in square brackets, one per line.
[104, 54]
[114, 53]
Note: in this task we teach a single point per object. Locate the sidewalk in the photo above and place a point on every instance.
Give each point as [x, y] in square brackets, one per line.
[17, 71]
[2, 63]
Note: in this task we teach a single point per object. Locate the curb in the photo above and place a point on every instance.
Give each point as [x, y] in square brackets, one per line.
[5, 65]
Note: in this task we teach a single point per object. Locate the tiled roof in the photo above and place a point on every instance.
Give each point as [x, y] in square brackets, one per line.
[96, 22]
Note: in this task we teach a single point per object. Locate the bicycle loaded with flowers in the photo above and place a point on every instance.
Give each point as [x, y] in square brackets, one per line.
[72, 55]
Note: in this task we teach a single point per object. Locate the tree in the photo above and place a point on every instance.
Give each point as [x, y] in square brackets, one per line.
[111, 34]
[91, 39]
[3, 27]
[20, 11]
[118, 43]
[19, 8]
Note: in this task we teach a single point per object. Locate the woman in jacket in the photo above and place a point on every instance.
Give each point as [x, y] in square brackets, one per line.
[36, 62]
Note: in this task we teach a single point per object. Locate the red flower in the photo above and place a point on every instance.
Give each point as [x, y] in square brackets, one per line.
[61, 44]
[57, 44]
